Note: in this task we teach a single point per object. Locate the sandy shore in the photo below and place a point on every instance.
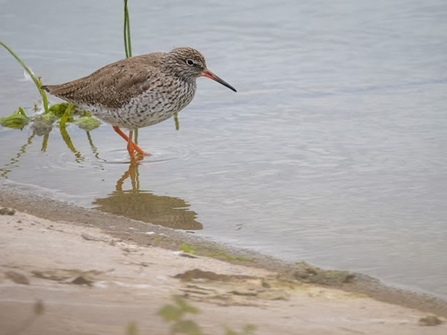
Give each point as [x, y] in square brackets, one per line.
[68, 273]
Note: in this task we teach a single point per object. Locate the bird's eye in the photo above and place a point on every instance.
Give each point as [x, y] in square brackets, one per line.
[190, 62]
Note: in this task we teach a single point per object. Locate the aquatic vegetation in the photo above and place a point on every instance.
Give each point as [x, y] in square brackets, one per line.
[17, 120]
[87, 122]
[42, 123]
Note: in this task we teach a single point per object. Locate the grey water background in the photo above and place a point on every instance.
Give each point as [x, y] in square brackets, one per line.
[333, 150]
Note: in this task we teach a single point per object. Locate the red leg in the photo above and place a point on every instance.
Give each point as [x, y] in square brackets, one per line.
[120, 132]
[130, 143]
[139, 150]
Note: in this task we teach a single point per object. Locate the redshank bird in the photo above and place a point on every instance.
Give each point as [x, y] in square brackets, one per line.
[138, 91]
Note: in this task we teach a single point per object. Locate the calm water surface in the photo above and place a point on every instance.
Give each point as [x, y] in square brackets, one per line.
[333, 150]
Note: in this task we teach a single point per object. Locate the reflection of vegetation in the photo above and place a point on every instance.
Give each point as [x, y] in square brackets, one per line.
[94, 148]
[67, 140]
[14, 160]
[140, 205]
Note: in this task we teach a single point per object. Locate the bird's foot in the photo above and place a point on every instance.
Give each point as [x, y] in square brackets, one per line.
[135, 152]
[144, 153]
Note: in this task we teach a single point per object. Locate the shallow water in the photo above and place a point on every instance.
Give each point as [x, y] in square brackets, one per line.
[332, 151]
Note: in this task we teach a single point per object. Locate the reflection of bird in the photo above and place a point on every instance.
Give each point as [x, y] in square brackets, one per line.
[139, 91]
[167, 211]
[144, 206]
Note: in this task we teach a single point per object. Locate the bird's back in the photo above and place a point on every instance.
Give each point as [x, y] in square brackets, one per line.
[113, 85]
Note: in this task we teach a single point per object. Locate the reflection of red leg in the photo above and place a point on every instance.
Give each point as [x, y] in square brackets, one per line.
[131, 146]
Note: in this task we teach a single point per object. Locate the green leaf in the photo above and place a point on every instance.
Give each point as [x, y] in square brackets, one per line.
[87, 123]
[67, 117]
[17, 120]
[59, 109]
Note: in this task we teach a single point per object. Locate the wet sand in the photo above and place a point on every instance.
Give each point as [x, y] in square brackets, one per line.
[66, 269]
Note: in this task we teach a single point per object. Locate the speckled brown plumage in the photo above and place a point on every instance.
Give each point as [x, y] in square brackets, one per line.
[139, 91]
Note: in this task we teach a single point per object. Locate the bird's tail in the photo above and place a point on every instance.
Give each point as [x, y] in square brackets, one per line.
[64, 91]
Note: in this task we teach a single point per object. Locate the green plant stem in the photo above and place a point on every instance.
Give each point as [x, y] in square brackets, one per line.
[66, 115]
[177, 124]
[31, 74]
[45, 142]
[128, 46]
[127, 39]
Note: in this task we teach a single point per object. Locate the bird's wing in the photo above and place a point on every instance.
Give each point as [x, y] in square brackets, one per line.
[111, 86]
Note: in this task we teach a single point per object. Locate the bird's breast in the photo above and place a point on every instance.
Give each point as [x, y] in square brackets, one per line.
[150, 107]
[165, 99]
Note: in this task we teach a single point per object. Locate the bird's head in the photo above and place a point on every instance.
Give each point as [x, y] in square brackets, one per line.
[189, 64]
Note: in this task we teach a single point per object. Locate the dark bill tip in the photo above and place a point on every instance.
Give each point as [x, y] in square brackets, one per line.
[207, 73]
